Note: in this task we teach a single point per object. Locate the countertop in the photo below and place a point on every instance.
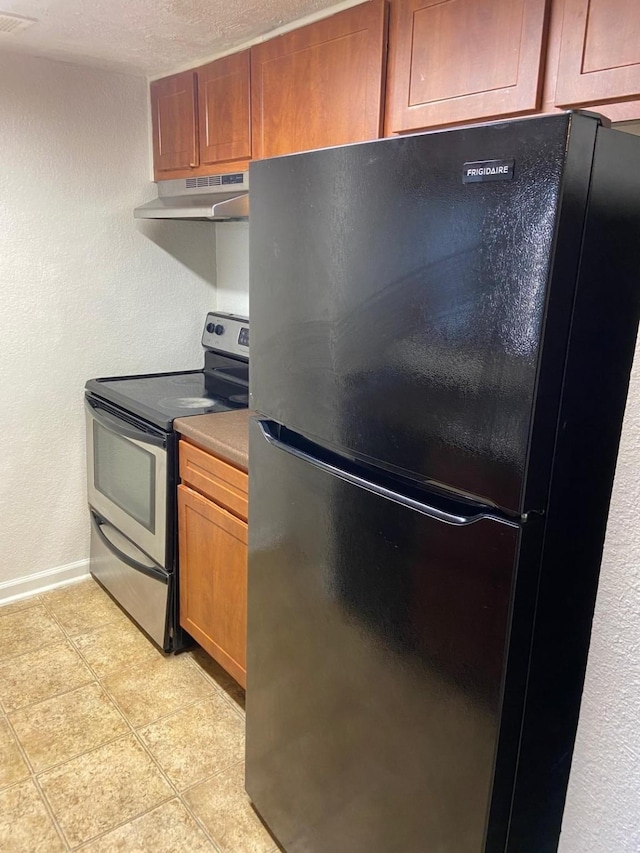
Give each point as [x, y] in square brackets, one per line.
[225, 434]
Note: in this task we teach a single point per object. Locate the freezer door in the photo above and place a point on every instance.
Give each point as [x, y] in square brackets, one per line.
[377, 631]
[398, 312]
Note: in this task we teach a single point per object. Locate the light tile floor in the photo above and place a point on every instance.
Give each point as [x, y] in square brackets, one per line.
[108, 745]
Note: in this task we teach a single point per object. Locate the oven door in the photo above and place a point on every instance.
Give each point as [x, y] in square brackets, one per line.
[127, 477]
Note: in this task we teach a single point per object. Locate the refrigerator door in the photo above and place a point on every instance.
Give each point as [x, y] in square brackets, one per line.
[378, 630]
[399, 312]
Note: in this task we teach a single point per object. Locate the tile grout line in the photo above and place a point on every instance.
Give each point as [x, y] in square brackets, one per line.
[202, 826]
[143, 746]
[45, 644]
[70, 638]
[95, 681]
[63, 692]
[60, 764]
[128, 722]
[122, 736]
[101, 678]
[23, 751]
[234, 705]
[52, 814]
[237, 709]
[100, 835]
[68, 632]
[34, 602]
[152, 722]
[190, 660]
[164, 774]
[178, 793]
[229, 767]
[147, 750]
[131, 731]
[212, 776]
[136, 731]
[33, 778]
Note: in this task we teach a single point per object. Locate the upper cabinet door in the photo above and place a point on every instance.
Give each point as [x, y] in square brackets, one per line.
[224, 109]
[599, 52]
[322, 84]
[173, 116]
[460, 60]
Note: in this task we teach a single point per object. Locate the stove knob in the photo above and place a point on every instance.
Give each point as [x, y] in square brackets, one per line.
[211, 328]
[219, 329]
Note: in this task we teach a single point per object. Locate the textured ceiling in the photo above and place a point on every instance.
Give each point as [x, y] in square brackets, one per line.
[147, 37]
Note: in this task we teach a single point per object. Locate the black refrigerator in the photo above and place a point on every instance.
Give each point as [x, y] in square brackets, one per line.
[443, 327]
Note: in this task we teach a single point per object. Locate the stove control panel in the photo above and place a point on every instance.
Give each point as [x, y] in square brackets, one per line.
[226, 333]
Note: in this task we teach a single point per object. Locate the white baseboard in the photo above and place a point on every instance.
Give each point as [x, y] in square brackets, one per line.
[43, 581]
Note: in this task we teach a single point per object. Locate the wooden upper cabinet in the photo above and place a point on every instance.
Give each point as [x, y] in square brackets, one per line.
[322, 84]
[224, 109]
[461, 60]
[599, 52]
[173, 116]
[202, 119]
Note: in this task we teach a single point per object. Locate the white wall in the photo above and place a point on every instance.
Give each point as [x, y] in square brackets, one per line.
[86, 289]
[232, 256]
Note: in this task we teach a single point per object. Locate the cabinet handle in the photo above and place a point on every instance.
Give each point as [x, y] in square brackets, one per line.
[195, 159]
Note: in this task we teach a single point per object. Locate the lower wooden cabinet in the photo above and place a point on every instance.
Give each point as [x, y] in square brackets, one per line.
[213, 579]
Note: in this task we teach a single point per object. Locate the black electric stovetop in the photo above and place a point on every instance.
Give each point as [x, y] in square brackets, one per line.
[159, 398]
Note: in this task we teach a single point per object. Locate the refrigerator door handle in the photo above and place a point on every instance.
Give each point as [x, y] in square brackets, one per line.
[362, 482]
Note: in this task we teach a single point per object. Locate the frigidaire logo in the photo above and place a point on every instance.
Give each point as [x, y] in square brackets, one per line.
[487, 170]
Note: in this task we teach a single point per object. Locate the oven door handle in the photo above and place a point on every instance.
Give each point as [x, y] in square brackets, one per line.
[157, 574]
[120, 427]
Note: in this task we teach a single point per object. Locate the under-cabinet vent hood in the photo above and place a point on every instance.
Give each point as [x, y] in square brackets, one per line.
[213, 197]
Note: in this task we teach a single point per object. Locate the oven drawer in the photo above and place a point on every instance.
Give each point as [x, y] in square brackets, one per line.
[141, 588]
[215, 479]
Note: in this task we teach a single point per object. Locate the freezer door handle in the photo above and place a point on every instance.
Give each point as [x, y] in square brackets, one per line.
[157, 574]
[371, 486]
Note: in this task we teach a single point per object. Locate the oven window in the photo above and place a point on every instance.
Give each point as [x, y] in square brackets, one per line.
[125, 474]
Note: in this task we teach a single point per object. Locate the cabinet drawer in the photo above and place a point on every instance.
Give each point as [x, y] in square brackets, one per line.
[214, 478]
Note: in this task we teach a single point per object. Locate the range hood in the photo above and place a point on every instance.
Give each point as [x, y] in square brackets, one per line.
[215, 198]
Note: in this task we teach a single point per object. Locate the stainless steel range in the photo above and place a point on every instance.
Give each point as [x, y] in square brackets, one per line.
[132, 472]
